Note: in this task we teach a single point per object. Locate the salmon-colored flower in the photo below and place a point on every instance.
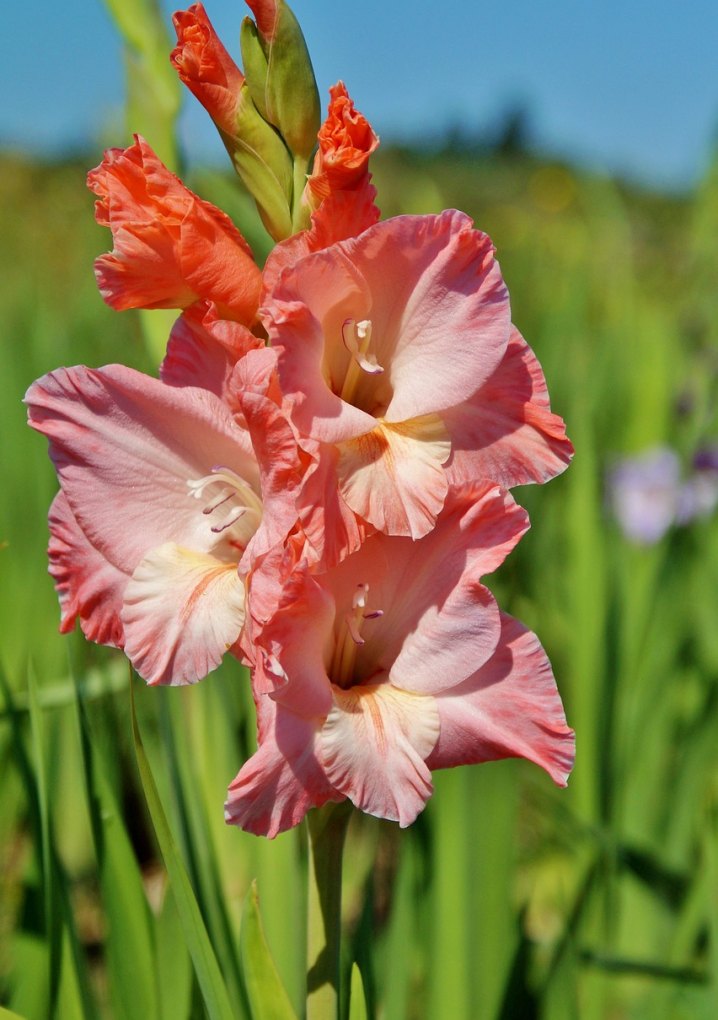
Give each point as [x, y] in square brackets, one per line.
[394, 347]
[171, 248]
[206, 68]
[395, 662]
[160, 513]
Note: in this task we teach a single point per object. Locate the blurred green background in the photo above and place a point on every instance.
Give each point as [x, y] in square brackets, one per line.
[508, 898]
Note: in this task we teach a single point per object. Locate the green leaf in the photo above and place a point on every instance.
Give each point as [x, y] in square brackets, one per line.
[267, 997]
[357, 999]
[130, 950]
[7, 1014]
[214, 991]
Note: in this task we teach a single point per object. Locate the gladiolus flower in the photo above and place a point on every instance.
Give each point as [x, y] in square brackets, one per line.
[394, 348]
[161, 503]
[394, 663]
[170, 247]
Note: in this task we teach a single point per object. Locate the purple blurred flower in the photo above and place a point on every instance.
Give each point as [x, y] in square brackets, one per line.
[647, 494]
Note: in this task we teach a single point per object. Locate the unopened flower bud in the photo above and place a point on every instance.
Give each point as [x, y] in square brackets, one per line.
[280, 75]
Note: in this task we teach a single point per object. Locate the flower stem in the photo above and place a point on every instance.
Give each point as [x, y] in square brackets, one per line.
[327, 830]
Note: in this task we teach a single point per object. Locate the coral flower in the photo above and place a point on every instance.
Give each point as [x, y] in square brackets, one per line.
[160, 503]
[396, 347]
[394, 663]
[170, 247]
[346, 141]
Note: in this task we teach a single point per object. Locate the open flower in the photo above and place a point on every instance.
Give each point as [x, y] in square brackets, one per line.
[394, 663]
[171, 248]
[161, 502]
[384, 344]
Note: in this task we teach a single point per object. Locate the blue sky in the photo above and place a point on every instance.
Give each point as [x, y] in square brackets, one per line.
[623, 85]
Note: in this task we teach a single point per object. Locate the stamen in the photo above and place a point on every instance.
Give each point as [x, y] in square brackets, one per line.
[233, 517]
[240, 500]
[349, 640]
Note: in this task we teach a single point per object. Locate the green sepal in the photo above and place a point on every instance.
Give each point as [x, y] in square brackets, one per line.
[283, 85]
[263, 162]
[254, 61]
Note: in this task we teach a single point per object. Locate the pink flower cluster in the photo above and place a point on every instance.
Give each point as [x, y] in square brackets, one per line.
[317, 482]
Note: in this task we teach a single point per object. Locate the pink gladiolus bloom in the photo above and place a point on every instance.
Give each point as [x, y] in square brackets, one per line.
[396, 347]
[161, 503]
[171, 247]
[394, 663]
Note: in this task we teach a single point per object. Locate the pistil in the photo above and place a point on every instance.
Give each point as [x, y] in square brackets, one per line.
[357, 338]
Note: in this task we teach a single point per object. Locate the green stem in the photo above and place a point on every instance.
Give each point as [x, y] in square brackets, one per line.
[327, 830]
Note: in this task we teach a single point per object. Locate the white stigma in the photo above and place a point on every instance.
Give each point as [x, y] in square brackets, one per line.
[356, 337]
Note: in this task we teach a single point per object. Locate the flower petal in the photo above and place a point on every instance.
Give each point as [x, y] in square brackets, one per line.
[506, 431]
[203, 349]
[393, 476]
[373, 746]
[509, 708]
[439, 311]
[170, 247]
[283, 780]
[125, 446]
[182, 611]
[438, 622]
[88, 586]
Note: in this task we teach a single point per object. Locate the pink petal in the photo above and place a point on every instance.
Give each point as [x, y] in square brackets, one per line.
[393, 476]
[125, 446]
[203, 349]
[440, 323]
[88, 586]
[506, 430]
[183, 610]
[439, 623]
[283, 780]
[341, 215]
[331, 528]
[373, 746]
[509, 708]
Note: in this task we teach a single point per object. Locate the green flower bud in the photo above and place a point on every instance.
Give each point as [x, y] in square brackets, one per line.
[265, 165]
[280, 75]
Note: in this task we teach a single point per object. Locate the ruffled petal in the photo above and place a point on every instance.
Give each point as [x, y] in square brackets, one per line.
[205, 66]
[510, 708]
[88, 585]
[203, 350]
[283, 780]
[373, 746]
[182, 611]
[393, 476]
[170, 247]
[506, 431]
